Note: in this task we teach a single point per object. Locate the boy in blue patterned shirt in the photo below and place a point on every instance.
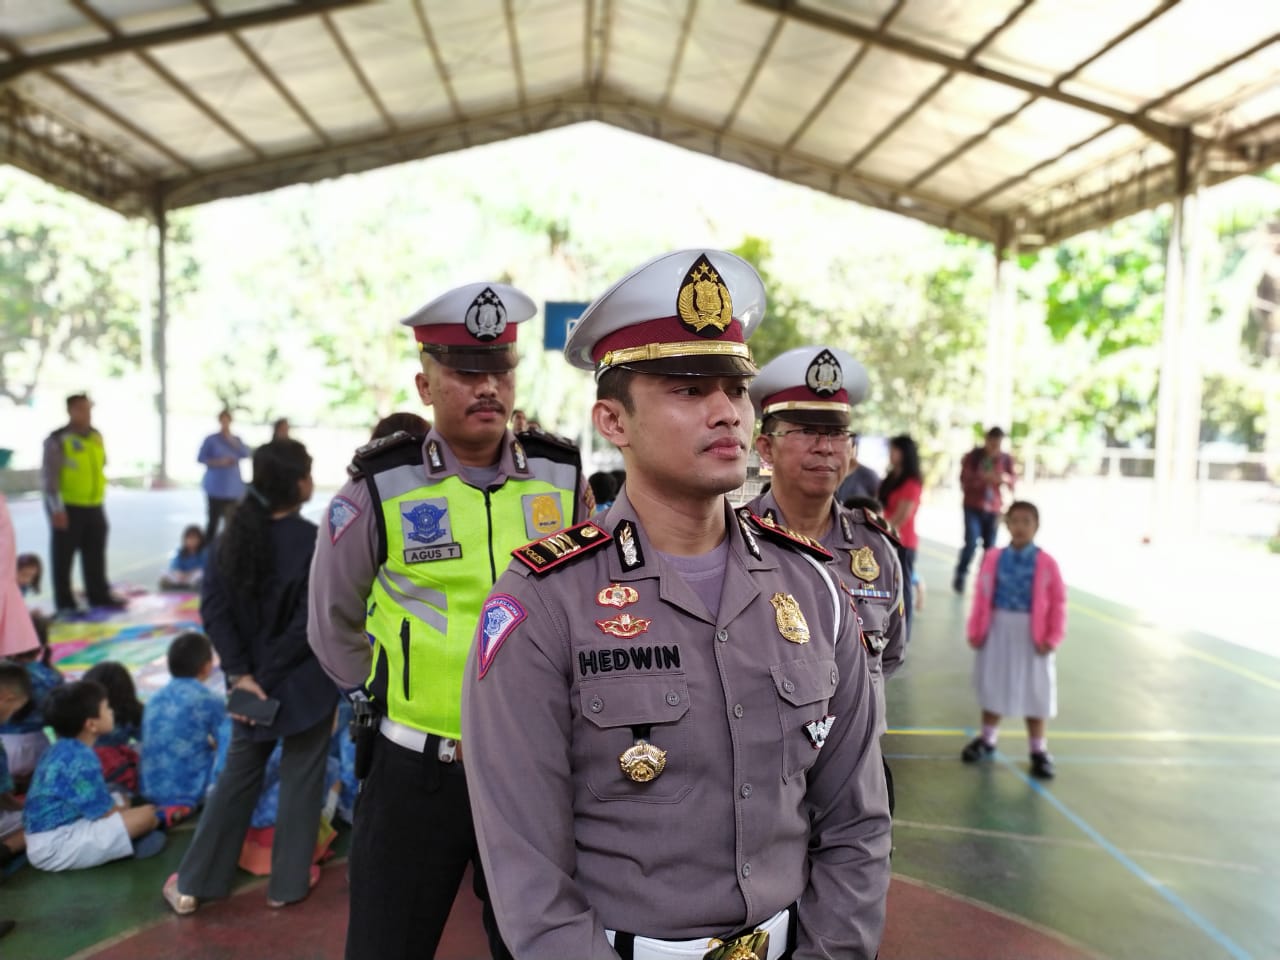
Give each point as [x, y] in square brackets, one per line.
[23, 733]
[71, 820]
[180, 731]
[15, 693]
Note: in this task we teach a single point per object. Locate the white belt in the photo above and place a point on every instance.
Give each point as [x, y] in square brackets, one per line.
[448, 751]
[647, 948]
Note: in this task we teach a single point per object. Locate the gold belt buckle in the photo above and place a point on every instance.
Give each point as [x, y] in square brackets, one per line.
[749, 946]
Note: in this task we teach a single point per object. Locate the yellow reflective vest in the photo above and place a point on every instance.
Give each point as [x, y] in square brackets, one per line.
[82, 481]
[446, 542]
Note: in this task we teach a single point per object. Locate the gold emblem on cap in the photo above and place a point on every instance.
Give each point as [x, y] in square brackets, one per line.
[704, 301]
[791, 622]
[643, 762]
[616, 595]
[863, 564]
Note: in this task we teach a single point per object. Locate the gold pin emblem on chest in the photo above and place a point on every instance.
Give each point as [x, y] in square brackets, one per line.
[791, 622]
[643, 761]
[863, 564]
[617, 595]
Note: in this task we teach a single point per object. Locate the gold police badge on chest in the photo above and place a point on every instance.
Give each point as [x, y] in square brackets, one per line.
[643, 762]
[863, 564]
[791, 622]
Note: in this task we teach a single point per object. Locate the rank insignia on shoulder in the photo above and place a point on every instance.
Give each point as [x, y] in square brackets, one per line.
[550, 552]
[784, 535]
[879, 523]
[375, 449]
[863, 564]
[818, 730]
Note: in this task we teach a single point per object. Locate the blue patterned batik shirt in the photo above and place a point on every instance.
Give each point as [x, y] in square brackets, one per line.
[67, 786]
[1015, 572]
[6, 779]
[179, 740]
[43, 679]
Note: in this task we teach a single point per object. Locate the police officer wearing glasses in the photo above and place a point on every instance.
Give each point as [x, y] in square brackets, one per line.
[805, 400]
[671, 735]
[410, 547]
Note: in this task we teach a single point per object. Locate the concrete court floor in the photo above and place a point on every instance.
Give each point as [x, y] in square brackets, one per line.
[1157, 839]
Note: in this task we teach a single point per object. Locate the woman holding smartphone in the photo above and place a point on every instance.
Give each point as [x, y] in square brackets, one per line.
[254, 607]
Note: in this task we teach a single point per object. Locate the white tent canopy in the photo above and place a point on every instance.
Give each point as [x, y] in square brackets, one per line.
[1016, 121]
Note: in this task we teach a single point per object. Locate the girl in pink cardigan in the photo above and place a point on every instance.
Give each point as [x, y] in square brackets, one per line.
[1018, 620]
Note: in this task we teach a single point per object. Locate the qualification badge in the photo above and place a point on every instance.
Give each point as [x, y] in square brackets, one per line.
[643, 762]
[616, 595]
[791, 623]
[863, 564]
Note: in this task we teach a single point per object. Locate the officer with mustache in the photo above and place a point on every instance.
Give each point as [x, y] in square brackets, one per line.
[411, 545]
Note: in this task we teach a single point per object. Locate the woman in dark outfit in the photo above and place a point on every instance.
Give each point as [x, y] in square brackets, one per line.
[255, 610]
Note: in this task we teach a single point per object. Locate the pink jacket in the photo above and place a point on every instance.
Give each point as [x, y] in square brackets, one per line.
[1048, 602]
[17, 635]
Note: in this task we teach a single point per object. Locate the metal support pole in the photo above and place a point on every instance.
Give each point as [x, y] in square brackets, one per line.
[1001, 334]
[1169, 490]
[158, 348]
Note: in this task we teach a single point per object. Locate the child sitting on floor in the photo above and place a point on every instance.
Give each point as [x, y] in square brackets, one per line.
[180, 730]
[118, 750]
[186, 566]
[15, 693]
[71, 821]
[30, 572]
[23, 733]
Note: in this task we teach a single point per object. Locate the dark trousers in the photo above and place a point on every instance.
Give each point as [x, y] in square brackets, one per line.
[977, 523]
[218, 509]
[209, 866]
[87, 533]
[411, 843]
[907, 557]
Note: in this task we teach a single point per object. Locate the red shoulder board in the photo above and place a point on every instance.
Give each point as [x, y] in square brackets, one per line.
[877, 522]
[549, 552]
[772, 530]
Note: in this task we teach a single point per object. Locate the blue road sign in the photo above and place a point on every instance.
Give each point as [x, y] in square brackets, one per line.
[557, 316]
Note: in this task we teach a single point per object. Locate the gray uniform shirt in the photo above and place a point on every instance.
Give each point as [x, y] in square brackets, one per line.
[347, 560]
[748, 814]
[878, 600]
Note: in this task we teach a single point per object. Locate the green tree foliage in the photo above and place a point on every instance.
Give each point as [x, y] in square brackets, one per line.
[69, 287]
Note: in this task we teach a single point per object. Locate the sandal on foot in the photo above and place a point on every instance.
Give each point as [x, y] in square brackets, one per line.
[181, 903]
[313, 877]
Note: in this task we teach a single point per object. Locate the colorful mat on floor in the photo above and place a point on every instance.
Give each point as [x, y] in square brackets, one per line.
[138, 636]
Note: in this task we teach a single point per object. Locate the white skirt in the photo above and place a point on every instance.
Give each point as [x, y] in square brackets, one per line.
[1010, 678]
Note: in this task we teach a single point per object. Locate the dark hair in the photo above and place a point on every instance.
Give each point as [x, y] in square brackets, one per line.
[67, 708]
[225, 412]
[410, 423]
[275, 427]
[244, 552]
[76, 398]
[864, 503]
[621, 476]
[188, 654]
[188, 531]
[995, 433]
[121, 693]
[615, 384]
[908, 468]
[604, 486]
[1027, 507]
[14, 677]
[32, 560]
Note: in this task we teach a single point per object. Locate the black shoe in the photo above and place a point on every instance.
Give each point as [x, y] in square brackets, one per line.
[957, 583]
[1042, 766]
[978, 749]
[113, 602]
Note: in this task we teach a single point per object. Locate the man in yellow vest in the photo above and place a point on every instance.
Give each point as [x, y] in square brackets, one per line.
[411, 546]
[74, 485]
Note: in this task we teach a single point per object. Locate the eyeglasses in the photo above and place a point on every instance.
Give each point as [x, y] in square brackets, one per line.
[813, 435]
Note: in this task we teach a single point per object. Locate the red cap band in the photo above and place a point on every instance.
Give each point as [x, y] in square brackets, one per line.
[457, 335]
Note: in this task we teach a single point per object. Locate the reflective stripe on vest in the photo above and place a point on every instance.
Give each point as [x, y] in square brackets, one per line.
[81, 481]
[445, 548]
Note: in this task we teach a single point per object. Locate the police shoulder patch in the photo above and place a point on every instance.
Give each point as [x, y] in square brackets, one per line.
[876, 522]
[559, 548]
[501, 614]
[375, 450]
[772, 530]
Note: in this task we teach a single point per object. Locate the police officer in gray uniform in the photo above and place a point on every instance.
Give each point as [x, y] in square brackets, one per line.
[805, 399]
[410, 548]
[671, 735]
